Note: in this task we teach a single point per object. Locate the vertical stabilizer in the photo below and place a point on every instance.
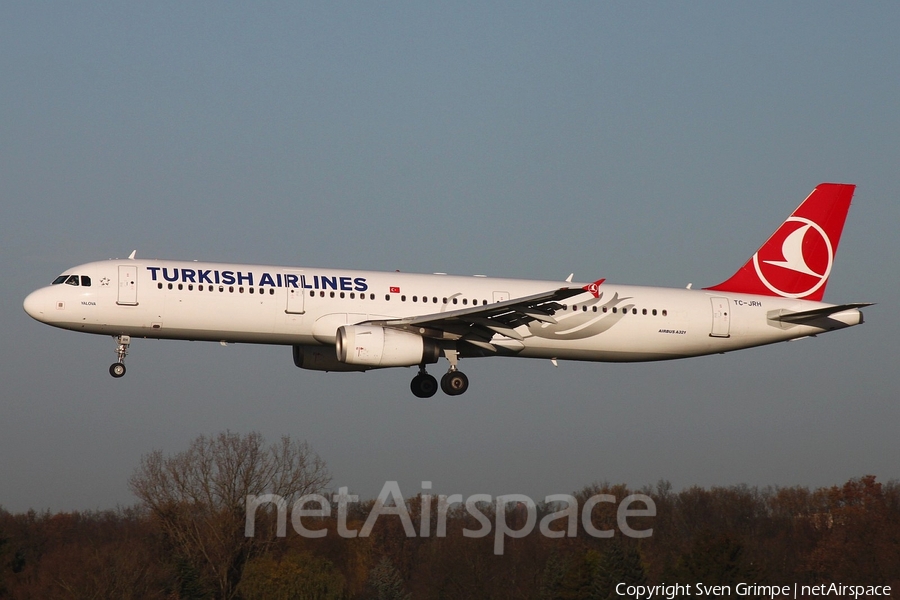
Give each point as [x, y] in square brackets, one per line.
[796, 261]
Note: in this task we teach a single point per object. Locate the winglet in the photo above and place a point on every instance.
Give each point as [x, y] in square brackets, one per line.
[593, 288]
[131, 256]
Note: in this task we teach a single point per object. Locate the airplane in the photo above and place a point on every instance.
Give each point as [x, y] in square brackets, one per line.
[351, 320]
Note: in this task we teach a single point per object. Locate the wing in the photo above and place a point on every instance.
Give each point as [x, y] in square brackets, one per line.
[478, 324]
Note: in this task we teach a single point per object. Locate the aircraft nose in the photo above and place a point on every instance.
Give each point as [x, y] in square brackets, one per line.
[35, 306]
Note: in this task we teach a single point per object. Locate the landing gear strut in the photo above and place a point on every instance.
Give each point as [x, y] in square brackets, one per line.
[117, 369]
[454, 382]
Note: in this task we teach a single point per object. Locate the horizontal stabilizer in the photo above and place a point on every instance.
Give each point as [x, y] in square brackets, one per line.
[814, 314]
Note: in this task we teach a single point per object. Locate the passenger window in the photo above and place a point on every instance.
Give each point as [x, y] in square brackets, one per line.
[665, 313]
[415, 298]
[654, 312]
[403, 298]
[85, 281]
[644, 311]
[72, 280]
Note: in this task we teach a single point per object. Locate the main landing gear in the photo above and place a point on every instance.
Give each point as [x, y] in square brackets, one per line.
[117, 369]
[453, 383]
[423, 385]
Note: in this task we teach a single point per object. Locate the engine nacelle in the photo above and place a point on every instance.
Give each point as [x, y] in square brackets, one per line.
[321, 358]
[382, 347]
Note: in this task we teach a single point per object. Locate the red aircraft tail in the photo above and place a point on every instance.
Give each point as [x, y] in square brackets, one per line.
[796, 261]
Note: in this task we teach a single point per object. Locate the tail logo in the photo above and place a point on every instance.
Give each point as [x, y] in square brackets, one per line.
[797, 259]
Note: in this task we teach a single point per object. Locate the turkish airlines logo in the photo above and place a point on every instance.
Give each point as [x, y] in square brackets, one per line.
[594, 288]
[797, 259]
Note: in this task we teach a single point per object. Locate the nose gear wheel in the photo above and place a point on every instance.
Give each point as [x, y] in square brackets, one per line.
[117, 369]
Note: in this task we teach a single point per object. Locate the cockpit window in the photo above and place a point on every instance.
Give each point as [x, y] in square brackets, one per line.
[73, 280]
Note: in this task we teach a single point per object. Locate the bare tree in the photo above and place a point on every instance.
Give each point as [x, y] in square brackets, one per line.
[199, 499]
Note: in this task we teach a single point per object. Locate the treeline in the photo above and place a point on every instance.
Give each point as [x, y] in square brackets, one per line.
[186, 539]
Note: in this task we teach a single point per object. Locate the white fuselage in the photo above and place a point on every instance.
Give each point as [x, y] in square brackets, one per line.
[301, 306]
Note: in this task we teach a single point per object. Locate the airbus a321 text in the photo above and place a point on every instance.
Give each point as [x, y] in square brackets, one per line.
[349, 320]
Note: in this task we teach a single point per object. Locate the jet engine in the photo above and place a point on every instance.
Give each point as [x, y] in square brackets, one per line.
[382, 347]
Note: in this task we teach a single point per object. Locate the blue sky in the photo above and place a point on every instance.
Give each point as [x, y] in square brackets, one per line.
[647, 143]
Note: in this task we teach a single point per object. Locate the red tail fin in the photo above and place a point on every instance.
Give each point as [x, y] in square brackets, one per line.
[796, 261]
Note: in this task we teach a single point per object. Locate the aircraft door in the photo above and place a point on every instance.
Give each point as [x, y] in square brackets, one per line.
[721, 320]
[295, 302]
[127, 285]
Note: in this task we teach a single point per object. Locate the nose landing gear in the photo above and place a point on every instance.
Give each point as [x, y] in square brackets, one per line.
[117, 369]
